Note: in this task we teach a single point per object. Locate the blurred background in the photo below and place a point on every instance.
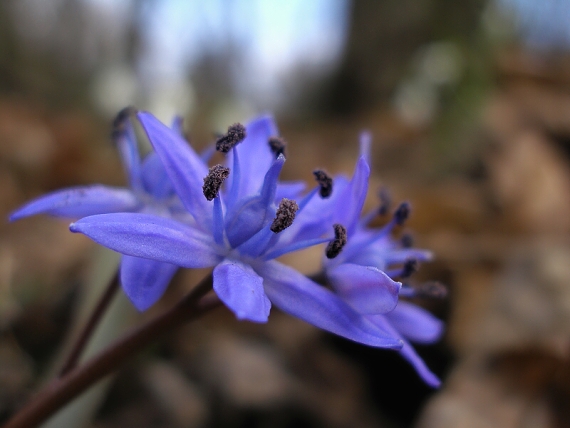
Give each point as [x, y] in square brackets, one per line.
[469, 107]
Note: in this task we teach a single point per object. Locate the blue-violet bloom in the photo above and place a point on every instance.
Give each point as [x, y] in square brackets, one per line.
[242, 218]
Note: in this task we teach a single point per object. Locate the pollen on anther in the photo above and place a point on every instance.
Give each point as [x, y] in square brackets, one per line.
[120, 120]
[402, 213]
[325, 181]
[410, 267]
[213, 181]
[235, 135]
[407, 240]
[335, 246]
[284, 216]
[277, 146]
[432, 289]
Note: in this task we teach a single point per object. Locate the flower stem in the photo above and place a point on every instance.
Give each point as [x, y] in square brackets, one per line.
[64, 389]
[89, 328]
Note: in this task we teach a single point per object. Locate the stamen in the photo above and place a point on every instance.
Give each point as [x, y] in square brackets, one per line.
[410, 267]
[285, 215]
[325, 181]
[234, 136]
[120, 120]
[213, 181]
[402, 213]
[385, 201]
[432, 289]
[407, 240]
[277, 146]
[336, 245]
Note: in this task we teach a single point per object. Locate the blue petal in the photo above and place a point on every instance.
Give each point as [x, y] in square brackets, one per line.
[144, 281]
[408, 352]
[155, 179]
[415, 323]
[270, 180]
[255, 154]
[351, 201]
[249, 216]
[183, 165]
[129, 151]
[79, 202]
[365, 288]
[151, 237]
[241, 290]
[297, 295]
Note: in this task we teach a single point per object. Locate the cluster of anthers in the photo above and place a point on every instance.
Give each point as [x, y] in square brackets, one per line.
[238, 218]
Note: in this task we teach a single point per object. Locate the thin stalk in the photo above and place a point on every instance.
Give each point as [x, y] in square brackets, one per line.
[89, 328]
[64, 389]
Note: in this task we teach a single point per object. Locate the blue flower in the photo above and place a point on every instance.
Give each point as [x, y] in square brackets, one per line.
[241, 219]
[143, 280]
[363, 272]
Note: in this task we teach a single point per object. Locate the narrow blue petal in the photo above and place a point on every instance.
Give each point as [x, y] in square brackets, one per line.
[235, 178]
[151, 237]
[255, 155]
[178, 125]
[183, 165]
[351, 201]
[246, 220]
[415, 323]
[365, 288]
[129, 151]
[294, 246]
[79, 202]
[241, 290]
[269, 187]
[144, 281]
[408, 352]
[255, 245]
[249, 216]
[154, 177]
[297, 295]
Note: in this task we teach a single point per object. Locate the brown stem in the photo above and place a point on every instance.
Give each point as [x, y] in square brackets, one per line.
[64, 389]
[89, 328]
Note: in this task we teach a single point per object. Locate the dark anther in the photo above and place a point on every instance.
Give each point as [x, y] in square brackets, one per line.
[336, 245]
[285, 215]
[213, 181]
[431, 289]
[402, 213]
[234, 136]
[325, 182]
[277, 146]
[385, 201]
[407, 240]
[410, 267]
[120, 121]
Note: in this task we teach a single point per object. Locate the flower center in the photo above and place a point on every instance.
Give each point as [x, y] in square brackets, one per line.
[284, 216]
[213, 181]
[235, 135]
